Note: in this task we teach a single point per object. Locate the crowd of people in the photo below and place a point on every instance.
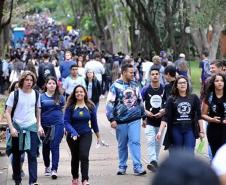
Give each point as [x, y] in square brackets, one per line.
[62, 81]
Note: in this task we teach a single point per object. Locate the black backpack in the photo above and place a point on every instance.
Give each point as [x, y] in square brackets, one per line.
[1, 68]
[16, 98]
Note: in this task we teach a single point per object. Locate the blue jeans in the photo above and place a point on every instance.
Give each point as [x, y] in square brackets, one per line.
[153, 145]
[183, 139]
[31, 155]
[129, 135]
[53, 146]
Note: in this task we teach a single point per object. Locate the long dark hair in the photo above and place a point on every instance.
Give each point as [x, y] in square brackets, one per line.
[72, 100]
[211, 87]
[175, 91]
[56, 95]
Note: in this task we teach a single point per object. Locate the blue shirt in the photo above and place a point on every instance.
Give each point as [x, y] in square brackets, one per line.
[80, 121]
[51, 112]
[65, 68]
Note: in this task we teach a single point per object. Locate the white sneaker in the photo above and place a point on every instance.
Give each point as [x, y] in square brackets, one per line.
[47, 171]
[54, 174]
[102, 96]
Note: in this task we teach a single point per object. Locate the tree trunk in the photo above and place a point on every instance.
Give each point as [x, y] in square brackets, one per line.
[217, 28]
[104, 34]
[1, 13]
[146, 18]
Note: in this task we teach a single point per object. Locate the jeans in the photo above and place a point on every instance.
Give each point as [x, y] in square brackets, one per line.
[129, 135]
[153, 145]
[31, 155]
[52, 146]
[80, 153]
[183, 138]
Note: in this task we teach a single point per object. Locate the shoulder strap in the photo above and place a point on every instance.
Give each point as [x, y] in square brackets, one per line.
[36, 97]
[15, 101]
[36, 101]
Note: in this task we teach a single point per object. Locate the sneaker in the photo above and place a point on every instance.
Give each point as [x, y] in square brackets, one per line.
[152, 166]
[18, 183]
[102, 96]
[35, 183]
[85, 182]
[75, 182]
[121, 172]
[47, 171]
[22, 174]
[140, 173]
[54, 174]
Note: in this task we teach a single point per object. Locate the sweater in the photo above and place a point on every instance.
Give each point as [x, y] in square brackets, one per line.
[80, 121]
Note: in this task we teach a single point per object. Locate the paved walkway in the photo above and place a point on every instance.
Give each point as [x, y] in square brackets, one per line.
[103, 162]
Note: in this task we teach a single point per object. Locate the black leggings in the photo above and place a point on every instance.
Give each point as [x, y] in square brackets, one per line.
[216, 135]
[80, 153]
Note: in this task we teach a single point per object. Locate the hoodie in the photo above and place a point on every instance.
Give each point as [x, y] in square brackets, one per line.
[124, 102]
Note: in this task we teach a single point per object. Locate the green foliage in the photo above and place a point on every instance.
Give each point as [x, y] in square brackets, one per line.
[195, 76]
[207, 12]
[88, 26]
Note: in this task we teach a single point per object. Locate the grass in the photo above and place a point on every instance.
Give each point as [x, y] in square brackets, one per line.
[2, 107]
[195, 76]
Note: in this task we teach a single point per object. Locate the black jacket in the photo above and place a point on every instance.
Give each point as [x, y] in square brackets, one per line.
[44, 70]
[96, 90]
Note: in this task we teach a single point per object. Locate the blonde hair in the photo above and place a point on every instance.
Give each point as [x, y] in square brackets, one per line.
[156, 59]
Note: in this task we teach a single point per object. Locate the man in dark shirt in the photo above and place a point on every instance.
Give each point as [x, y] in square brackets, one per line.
[45, 69]
[152, 95]
[170, 76]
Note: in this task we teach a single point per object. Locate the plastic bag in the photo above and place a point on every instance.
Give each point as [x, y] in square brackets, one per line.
[200, 148]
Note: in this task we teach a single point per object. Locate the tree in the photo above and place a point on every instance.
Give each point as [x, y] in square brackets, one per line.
[207, 14]
[5, 19]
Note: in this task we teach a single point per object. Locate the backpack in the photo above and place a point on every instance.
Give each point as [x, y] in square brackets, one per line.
[1, 68]
[16, 98]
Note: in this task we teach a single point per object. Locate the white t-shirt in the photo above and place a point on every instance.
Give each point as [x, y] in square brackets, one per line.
[69, 84]
[89, 91]
[81, 71]
[219, 161]
[146, 66]
[24, 114]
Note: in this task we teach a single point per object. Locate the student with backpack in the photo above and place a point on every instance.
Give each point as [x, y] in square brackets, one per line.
[79, 119]
[214, 112]
[14, 87]
[24, 125]
[52, 103]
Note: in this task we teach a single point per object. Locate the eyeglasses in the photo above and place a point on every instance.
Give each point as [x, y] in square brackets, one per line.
[181, 83]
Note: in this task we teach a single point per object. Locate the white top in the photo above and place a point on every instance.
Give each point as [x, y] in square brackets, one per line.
[146, 66]
[14, 76]
[81, 71]
[24, 114]
[57, 71]
[69, 84]
[219, 161]
[97, 67]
